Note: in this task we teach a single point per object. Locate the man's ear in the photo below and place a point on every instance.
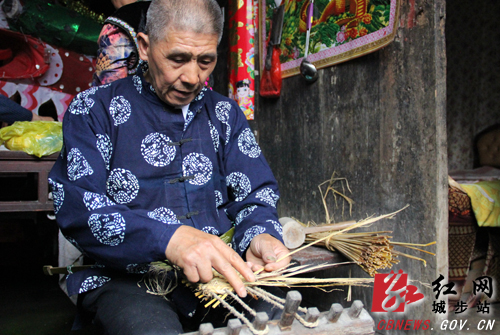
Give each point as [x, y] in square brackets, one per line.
[143, 42]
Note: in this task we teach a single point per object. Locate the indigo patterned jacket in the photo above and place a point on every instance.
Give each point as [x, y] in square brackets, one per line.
[132, 170]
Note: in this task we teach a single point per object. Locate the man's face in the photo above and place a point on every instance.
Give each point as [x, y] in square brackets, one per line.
[179, 64]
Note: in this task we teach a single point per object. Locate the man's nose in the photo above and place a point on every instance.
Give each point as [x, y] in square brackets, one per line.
[190, 74]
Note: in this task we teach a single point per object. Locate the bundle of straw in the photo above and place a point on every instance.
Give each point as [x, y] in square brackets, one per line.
[371, 251]
[284, 277]
[157, 283]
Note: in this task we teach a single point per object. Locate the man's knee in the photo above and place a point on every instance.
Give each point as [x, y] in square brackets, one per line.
[121, 307]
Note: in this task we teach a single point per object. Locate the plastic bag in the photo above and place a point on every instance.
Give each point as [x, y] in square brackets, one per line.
[39, 138]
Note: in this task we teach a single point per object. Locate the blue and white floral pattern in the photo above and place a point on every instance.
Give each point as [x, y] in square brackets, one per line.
[105, 148]
[156, 150]
[249, 235]
[93, 282]
[268, 196]
[245, 212]
[120, 110]
[164, 215]
[122, 186]
[137, 83]
[189, 118]
[95, 200]
[109, 229]
[82, 103]
[215, 136]
[277, 226]
[201, 94]
[247, 144]
[239, 185]
[197, 165]
[57, 194]
[222, 110]
[78, 166]
[210, 230]
[218, 199]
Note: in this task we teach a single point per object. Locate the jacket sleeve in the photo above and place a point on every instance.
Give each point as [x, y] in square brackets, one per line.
[11, 112]
[252, 189]
[92, 217]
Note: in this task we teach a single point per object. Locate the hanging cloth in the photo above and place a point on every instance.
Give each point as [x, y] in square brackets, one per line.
[242, 54]
[21, 56]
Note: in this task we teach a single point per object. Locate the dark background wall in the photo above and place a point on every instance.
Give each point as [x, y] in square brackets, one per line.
[473, 88]
[379, 121]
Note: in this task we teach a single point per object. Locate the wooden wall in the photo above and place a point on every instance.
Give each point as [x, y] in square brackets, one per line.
[380, 122]
[473, 69]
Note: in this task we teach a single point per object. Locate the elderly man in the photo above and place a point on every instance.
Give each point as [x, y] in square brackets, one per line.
[156, 166]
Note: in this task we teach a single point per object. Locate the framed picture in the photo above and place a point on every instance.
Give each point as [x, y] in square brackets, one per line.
[341, 30]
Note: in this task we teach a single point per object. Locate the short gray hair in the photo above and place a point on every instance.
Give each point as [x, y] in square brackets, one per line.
[199, 16]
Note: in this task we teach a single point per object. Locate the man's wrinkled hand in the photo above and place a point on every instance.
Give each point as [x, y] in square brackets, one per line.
[264, 251]
[197, 252]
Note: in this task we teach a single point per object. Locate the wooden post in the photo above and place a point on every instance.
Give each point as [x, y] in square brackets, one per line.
[312, 314]
[260, 321]
[292, 302]
[206, 329]
[335, 312]
[233, 327]
[356, 308]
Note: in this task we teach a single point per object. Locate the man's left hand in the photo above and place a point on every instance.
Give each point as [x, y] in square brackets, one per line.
[264, 251]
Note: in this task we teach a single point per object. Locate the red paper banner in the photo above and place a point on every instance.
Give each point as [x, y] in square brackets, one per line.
[242, 19]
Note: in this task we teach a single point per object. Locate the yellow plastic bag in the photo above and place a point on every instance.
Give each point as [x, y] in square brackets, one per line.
[39, 138]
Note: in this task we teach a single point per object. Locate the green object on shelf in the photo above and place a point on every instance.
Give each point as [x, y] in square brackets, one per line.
[58, 26]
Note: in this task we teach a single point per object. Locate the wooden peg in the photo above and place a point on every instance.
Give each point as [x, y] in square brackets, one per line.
[206, 329]
[335, 312]
[292, 302]
[260, 321]
[356, 308]
[233, 327]
[312, 314]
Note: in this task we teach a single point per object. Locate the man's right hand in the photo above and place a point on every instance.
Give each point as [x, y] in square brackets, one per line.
[197, 252]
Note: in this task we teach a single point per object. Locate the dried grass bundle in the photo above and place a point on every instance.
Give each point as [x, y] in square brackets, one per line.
[284, 277]
[326, 188]
[372, 251]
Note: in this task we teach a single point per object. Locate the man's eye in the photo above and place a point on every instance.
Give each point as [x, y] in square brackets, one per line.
[206, 62]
